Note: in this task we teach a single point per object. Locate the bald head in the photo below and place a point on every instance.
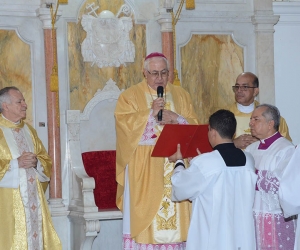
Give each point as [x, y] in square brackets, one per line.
[252, 78]
[246, 88]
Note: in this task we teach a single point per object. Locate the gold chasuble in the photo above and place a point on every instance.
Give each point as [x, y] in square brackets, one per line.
[243, 120]
[14, 222]
[154, 218]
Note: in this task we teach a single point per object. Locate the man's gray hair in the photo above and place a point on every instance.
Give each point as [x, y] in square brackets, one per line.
[146, 62]
[271, 113]
[4, 95]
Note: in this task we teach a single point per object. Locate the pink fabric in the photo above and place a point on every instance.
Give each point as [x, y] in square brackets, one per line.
[149, 137]
[181, 120]
[149, 133]
[272, 230]
[267, 182]
[102, 166]
[130, 244]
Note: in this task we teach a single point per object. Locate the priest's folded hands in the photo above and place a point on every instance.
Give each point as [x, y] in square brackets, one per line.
[27, 160]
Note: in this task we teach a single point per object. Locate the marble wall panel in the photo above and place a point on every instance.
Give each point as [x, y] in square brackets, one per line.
[86, 79]
[209, 67]
[15, 66]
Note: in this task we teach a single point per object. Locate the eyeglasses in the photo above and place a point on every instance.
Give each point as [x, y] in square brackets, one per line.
[242, 88]
[155, 74]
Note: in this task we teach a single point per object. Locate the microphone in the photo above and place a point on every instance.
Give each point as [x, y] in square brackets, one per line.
[160, 93]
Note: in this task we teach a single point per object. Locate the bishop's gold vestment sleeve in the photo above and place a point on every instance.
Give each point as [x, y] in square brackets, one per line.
[5, 155]
[41, 152]
[131, 114]
[42, 155]
[183, 104]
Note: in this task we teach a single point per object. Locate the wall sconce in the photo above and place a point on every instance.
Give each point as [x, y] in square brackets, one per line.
[168, 4]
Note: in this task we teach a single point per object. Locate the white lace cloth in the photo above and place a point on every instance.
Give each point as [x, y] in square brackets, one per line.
[29, 194]
[272, 230]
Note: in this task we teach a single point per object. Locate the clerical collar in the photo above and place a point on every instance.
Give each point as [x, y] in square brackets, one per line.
[245, 109]
[227, 150]
[16, 123]
[224, 146]
[266, 143]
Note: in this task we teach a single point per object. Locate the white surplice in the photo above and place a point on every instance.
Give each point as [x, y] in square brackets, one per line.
[289, 191]
[222, 200]
[272, 230]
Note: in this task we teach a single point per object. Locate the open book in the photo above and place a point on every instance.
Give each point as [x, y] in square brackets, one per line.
[190, 137]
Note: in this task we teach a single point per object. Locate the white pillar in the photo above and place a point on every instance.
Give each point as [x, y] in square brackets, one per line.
[264, 21]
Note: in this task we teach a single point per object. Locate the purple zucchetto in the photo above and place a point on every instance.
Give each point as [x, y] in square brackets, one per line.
[155, 54]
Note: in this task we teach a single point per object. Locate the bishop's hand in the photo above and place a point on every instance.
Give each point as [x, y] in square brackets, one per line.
[157, 105]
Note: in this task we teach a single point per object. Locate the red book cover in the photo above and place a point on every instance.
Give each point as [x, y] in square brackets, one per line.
[190, 137]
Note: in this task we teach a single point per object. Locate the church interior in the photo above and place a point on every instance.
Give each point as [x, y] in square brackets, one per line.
[72, 58]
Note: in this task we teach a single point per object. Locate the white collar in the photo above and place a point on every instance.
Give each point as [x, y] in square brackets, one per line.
[10, 120]
[245, 109]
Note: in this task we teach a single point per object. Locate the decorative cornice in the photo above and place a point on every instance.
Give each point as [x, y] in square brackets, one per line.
[45, 16]
[57, 207]
[216, 16]
[103, 215]
[18, 10]
[264, 23]
[289, 13]
[286, 8]
[165, 21]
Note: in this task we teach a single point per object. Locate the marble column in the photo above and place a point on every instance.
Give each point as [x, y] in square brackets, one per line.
[55, 189]
[264, 21]
[165, 21]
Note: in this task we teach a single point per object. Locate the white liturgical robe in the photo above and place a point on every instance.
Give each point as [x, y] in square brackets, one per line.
[222, 199]
[271, 157]
[289, 191]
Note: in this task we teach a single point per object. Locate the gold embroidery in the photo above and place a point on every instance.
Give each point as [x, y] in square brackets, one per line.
[20, 237]
[168, 105]
[166, 224]
[167, 178]
[248, 130]
[166, 217]
[165, 207]
[168, 192]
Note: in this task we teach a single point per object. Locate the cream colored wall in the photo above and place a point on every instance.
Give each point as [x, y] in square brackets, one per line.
[15, 66]
[209, 66]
